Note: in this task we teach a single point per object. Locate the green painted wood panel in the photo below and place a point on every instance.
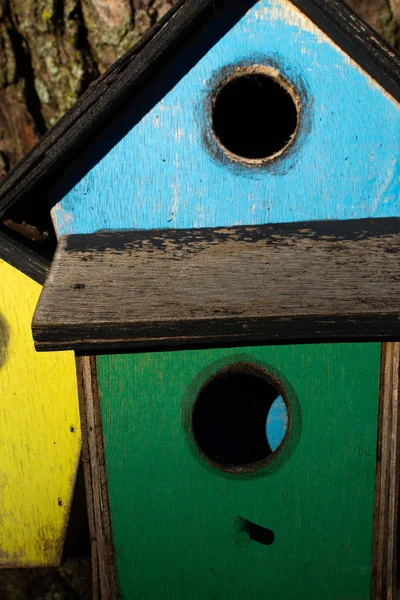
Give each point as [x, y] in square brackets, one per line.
[173, 515]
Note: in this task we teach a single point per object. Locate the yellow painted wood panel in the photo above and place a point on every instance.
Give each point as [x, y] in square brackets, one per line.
[39, 432]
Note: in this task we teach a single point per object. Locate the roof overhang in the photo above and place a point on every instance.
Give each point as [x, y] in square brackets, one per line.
[328, 280]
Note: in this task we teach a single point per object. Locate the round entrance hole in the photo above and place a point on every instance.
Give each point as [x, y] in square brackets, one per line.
[240, 418]
[255, 115]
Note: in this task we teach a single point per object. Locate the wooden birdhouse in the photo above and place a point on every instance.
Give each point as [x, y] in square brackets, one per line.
[39, 422]
[228, 273]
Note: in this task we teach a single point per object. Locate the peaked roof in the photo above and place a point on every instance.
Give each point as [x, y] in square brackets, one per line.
[109, 93]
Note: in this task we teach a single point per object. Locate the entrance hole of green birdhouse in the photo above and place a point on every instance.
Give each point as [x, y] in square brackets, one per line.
[255, 115]
[240, 418]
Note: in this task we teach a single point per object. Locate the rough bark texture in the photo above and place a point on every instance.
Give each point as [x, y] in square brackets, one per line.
[50, 51]
[382, 15]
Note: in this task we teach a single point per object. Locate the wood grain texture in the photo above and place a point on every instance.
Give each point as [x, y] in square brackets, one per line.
[128, 75]
[384, 566]
[39, 433]
[158, 165]
[102, 549]
[313, 280]
[84, 403]
[173, 514]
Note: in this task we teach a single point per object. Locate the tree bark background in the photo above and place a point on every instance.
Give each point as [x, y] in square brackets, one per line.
[50, 51]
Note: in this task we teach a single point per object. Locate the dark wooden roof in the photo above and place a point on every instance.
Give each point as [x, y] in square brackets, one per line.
[106, 96]
[29, 262]
[313, 281]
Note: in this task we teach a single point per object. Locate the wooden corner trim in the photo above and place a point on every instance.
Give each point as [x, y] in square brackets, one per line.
[103, 557]
[384, 553]
[22, 258]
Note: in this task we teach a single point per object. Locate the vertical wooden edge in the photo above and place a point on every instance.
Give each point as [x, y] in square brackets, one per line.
[103, 558]
[87, 476]
[384, 552]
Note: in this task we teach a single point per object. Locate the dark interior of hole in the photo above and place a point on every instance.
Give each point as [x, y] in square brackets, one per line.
[259, 534]
[229, 418]
[254, 116]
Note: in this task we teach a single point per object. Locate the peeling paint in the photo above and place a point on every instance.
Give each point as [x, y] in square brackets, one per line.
[276, 11]
[175, 200]
[4, 339]
[178, 135]
[64, 219]
[391, 185]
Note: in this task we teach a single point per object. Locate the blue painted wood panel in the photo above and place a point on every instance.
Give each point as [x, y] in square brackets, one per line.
[161, 173]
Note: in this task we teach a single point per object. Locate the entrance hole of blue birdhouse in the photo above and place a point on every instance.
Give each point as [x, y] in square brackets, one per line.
[255, 114]
[240, 418]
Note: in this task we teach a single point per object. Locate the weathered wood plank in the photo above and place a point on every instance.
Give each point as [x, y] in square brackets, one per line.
[336, 279]
[384, 566]
[103, 561]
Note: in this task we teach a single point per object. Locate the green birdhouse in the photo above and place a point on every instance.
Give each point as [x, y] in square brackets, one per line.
[227, 202]
[239, 470]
